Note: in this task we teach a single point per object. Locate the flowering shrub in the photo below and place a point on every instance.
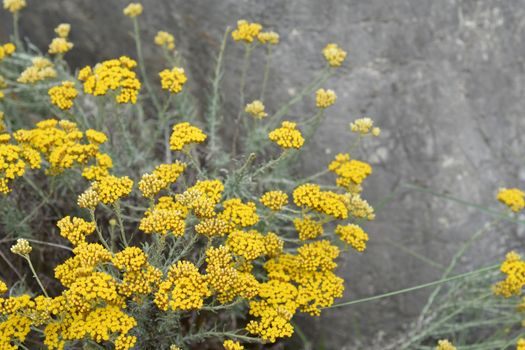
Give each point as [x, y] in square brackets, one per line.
[173, 244]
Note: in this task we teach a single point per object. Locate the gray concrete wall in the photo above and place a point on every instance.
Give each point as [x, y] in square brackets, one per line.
[443, 78]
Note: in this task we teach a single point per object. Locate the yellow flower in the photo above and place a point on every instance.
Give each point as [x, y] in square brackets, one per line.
[287, 136]
[14, 5]
[112, 75]
[445, 345]
[59, 46]
[163, 176]
[165, 40]
[256, 109]
[134, 9]
[521, 344]
[349, 172]
[63, 95]
[232, 345]
[173, 80]
[184, 134]
[271, 38]
[41, 69]
[334, 55]
[514, 268]
[6, 50]
[325, 98]
[75, 230]
[513, 198]
[111, 188]
[365, 126]
[274, 200]
[22, 247]
[308, 228]
[88, 199]
[3, 287]
[63, 30]
[353, 235]
[246, 31]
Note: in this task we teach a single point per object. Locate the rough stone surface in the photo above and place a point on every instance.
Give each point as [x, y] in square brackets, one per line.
[444, 79]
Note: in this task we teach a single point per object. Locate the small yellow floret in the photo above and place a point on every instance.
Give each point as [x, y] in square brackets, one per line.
[133, 10]
[184, 134]
[274, 200]
[325, 98]
[445, 345]
[232, 345]
[287, 136]
[173, 80]
[334, 55]
[513, 198]
[165, 40]
[256, 109]
[14, 5]
[246, 31]
[271, 38]
[22, 247]
[63, 95]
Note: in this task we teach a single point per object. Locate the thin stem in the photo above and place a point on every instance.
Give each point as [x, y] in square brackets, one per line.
[453, 262]
[266, 71]
[245, 66]
[271, 163]
[411, 289]
[118, 213]
[140, 56]
[35, 275]
[99, 232]
[16, 31]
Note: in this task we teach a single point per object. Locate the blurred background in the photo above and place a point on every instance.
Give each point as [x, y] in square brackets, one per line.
[443, 79]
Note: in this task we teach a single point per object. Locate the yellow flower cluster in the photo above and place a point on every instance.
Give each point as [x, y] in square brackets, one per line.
[63, 95]
[184, 134]
[60, 45]
[256, 109]
[22, 247]
[334, 55]
[75, 230]
[246, 31]
[163, 176]
[232, 345]
[238, 214]
[60, 143]
[521, 344]
[365, 126]
[353, 235]
[287, 136]
[308, 228]
[41, 69]
[134, 9]
[445, 345]
[166, 216]
[7, 50]
[514, 268]
[513, 198]
[173, 80]
[165, 40]
[325, 98]
[304, 281]
[225, 280]
[139, 276]
[359, 207]
[14, 5]
[183, 289]
[270, 37]
[349, 172]
[326, 202]
[110, 188]
[115, 75]
[274, 200]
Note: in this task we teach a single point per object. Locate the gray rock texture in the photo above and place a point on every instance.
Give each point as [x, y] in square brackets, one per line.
[444, 80]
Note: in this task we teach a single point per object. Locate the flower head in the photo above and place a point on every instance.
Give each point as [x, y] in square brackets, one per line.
[184, 134]
[59, 46]
[324, 98]
[111, 188]
[256, 109]
[133, 10]
[274, 200]
[63, 95]
[334, 55]
[287, 136]
[365, 126]
[445, 345]
[63, 30]
[22, 247]
[513, 198]
[165, 40]
[173, 80]
[246, 31]
[14, 5]
[232, 345]
[271, 38]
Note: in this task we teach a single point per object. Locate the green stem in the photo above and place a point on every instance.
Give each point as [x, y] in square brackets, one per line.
[453, 262]
[411, 289]
[36, 276]
[97, 229]
[245, 66]
[118, 213]
[16, 30]
[266, 71]
[140, 56]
